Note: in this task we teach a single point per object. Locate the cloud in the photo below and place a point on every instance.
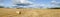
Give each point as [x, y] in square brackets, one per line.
[1, 2]
[34, 5]
[21, 1]
[37, 6]
[55, 3]
[26, 2]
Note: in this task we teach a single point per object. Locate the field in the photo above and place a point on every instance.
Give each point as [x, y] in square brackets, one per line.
[4, 12]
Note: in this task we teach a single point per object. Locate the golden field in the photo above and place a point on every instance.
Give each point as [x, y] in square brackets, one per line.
[4, 12]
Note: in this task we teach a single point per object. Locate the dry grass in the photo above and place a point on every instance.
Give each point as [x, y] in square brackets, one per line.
[30, 12]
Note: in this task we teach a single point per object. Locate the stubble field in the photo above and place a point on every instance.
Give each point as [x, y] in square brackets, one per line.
[29, 12]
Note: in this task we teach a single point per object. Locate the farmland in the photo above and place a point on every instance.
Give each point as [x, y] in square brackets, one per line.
[4, 12]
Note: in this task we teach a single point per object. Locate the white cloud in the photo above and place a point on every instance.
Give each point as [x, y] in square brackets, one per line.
[1, 4]
[21, 1]
[1, 1]
[37, 6]
[33, 5]
[55, 3]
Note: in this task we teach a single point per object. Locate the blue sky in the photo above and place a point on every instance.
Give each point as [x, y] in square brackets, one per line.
[46, 2]
[37, 1]
[8, 2]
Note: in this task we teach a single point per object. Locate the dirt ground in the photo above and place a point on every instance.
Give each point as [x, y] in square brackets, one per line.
[29, 12]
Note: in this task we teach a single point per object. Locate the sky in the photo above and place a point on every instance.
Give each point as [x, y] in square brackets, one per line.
[36, 3]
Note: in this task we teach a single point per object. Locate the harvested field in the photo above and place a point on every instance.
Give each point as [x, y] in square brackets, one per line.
[29, 12]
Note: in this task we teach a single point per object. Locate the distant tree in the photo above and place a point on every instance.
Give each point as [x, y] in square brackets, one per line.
[55, 8]
[1, 6]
